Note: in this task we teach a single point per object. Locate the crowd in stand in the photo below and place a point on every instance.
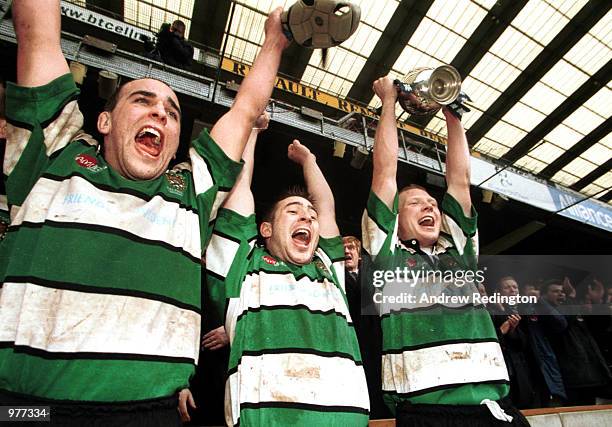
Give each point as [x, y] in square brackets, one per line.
[558, 349]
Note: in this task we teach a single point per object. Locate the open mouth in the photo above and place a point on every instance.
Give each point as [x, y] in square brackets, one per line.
[149, 141]
[427, 221]
[301, 237]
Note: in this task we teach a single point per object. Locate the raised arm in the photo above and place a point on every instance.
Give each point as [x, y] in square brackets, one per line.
[317, 187]
[39, 53]
[232, 130]
[458, 162]
[240, 199]
[386, 146]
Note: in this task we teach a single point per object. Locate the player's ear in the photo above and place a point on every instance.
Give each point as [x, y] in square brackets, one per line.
[104, 123]
[265, 229]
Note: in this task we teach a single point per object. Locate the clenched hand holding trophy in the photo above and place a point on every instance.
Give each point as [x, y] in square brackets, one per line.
[423, 91]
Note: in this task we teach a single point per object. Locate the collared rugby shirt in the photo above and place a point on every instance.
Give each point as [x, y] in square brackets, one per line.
[436, 354]
[100, 294]
[294, 357]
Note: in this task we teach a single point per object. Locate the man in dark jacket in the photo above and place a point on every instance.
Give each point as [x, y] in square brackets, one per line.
[172, 47]
[584, 370]
[367, 326]
[513, 340]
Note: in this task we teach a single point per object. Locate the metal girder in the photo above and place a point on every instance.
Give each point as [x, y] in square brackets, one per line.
[567, 107]
[575, 29]
[486, 34]
[394, 38]
[577, 149]
[208, 22]
[606, 197]
[599, 172]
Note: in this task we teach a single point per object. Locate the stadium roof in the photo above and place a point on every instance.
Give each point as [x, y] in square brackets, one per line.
[538, 71]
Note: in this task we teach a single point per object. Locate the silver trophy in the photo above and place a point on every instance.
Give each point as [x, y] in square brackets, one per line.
[424, 91]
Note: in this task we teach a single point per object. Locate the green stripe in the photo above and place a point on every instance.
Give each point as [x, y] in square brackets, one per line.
[102, 260]
[468, 394]
[91, 380]
[435, 325]
[284, 328]
[299, 417]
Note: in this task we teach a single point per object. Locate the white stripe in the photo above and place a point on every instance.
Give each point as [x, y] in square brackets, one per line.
[16, 141]
[58, 320]
[63, 129]
[449, 226]
[332, 267]
[299, 378]
[421, 369]
[338, 267]
[263, 289]
[219, 199]
[374, 237]
[78, 201]
[3, 203]
[202, 177]
[233, 310]
[14, 211]
[220, 254]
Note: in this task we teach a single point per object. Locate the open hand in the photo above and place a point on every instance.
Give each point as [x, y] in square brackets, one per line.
[215, 339]
[185, 397]
[298, 153]
[510, 324]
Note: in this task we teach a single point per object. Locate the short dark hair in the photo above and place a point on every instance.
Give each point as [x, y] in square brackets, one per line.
[111, 103]
[498, 284]
[547, 284]
[295, 191]
[179, 24]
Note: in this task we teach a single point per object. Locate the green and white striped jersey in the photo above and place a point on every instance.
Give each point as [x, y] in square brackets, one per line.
[435, 354]
[294, 354]
[100, 297]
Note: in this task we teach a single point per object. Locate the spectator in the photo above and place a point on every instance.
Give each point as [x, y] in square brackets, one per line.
[202, 403]
[515, 346]
[367, 324]
[541, 321]
[171, 47]
[529, 289]
[100, 295]
[597, 315]
[583, 368]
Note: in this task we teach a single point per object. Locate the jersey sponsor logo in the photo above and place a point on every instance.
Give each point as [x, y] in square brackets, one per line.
[269, 260]
[88, 162]
[322, 268]
[176, 182]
